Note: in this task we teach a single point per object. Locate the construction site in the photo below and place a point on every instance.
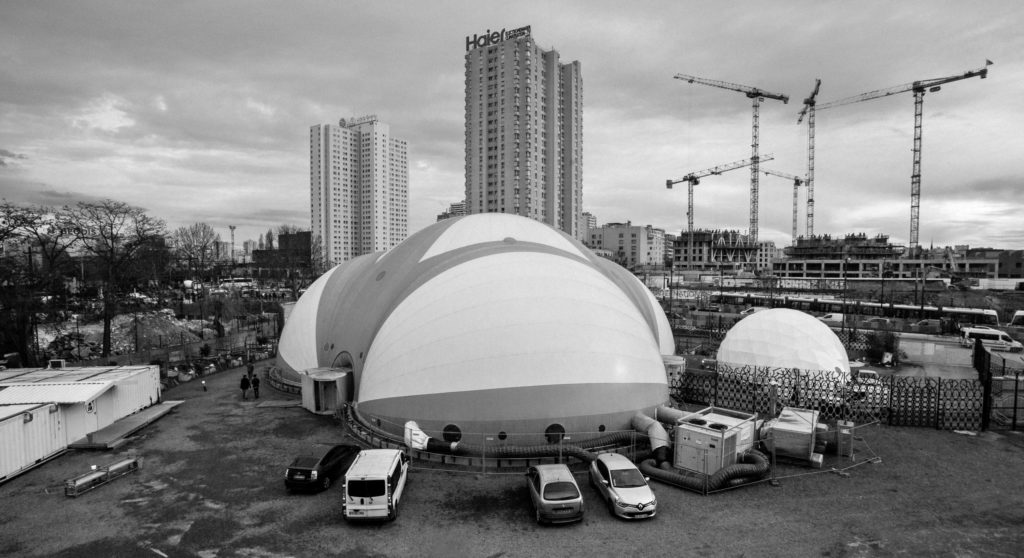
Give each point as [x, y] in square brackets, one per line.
[821, 256]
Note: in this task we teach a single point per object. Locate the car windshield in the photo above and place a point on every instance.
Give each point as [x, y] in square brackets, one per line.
[627, 478]
[366, 488]
[561, 491]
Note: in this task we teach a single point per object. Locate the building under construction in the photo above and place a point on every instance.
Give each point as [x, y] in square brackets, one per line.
[857, 256]
[717, 249]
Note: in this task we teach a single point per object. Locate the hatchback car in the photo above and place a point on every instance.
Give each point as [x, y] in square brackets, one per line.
[555, 495]
[320, 467]
[623, 486]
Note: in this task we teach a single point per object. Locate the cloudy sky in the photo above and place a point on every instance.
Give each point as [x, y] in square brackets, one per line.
[199, 111]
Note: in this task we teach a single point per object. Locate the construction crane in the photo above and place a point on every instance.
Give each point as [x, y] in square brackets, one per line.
[757, 95]
[919, 88]
[797, 182]
[692, 179]
[809, 111]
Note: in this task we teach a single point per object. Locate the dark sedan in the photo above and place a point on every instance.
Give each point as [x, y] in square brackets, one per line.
[318, 468]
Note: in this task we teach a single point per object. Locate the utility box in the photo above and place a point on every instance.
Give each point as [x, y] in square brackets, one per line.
[712, 438]
[844, 438]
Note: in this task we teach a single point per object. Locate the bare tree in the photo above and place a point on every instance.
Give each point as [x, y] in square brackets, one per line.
[52, 233]
[196, 244]
[12, 219]
[17, 305]
[113, 232]
[269, 242]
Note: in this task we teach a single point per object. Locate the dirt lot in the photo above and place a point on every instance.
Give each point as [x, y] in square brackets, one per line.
[211, 484]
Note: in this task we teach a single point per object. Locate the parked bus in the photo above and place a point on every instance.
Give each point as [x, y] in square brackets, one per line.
[237, 283]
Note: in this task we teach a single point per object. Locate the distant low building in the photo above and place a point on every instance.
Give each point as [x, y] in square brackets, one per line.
[630, 245]
[456, 209]
[294, 251]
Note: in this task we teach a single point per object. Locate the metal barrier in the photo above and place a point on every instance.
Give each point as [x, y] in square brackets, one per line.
[81, 484]
[897, 401]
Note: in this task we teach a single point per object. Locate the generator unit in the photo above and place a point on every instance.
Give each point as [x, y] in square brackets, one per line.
[712, 438]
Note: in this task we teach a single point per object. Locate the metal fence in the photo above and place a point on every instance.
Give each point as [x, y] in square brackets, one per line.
[897, 401]
[1001, 374]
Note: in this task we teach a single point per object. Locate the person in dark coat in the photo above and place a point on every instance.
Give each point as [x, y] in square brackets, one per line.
[256, 386]
[245, 387]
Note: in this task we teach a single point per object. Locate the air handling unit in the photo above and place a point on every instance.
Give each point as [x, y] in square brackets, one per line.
[712, 438]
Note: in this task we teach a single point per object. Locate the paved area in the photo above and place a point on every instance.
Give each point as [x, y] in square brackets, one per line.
[210, 484]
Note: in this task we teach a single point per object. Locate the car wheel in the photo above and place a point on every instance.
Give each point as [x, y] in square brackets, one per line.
[327, 482]
[394, 514]
[539, 520]
[611, 507]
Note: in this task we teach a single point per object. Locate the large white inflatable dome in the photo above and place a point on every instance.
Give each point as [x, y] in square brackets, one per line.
[783, 338]
[488, 323]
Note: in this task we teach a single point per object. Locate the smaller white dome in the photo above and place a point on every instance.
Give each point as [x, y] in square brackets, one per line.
[783, 338]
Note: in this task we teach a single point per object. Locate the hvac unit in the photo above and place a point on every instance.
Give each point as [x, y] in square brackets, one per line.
[710, 439]
[792, 434]
[58, 364]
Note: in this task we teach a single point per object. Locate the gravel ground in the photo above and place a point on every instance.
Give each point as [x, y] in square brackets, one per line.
[211, 485]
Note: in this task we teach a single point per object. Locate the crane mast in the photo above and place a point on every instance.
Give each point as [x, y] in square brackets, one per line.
[756, 95]
[918, 87]
[692, 179]
[797, 182]
[809, 111]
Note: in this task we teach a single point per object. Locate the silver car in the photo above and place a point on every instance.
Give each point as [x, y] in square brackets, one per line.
[623, 486]
[555, 495]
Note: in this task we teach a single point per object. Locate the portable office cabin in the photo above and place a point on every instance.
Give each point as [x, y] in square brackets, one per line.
[326, 390]
[90, 398]
[29, 435]
[77, 403]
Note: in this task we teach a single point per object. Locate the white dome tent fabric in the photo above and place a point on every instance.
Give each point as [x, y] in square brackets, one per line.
[488, 323]
[784, 338]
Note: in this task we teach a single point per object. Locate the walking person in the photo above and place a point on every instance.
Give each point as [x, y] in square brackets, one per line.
[256, 386]
[245, 387]
[249, 369]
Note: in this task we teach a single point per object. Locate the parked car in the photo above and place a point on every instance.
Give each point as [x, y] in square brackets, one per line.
[927, 326]
[623, 486]
[374, 485]
[877, 323]
[555, 495]
[318, 468]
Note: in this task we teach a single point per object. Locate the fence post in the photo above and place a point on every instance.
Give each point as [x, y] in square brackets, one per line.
[938, 404]
[1016, 392]
[986, 396]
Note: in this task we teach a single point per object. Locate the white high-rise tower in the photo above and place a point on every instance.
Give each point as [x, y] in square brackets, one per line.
[359, 188]
[524, 130]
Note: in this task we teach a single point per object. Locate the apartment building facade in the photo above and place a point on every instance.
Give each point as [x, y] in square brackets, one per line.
[359, 188]
[524, 130]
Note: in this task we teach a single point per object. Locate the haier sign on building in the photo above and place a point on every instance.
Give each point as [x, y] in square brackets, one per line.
[492, 38]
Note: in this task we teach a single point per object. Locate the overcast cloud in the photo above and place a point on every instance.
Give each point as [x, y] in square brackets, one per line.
[200, 111]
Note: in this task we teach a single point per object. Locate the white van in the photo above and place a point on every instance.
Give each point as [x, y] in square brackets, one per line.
[833, 318]
[374, 484]
[991, 338]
